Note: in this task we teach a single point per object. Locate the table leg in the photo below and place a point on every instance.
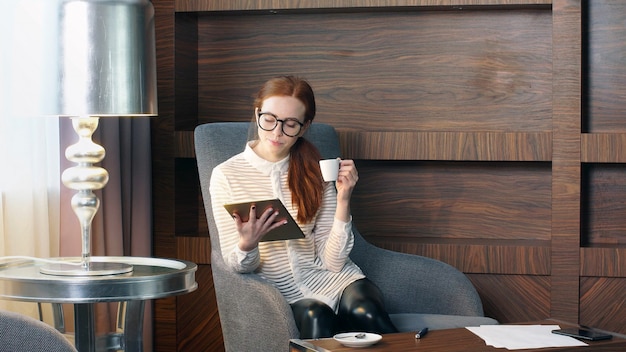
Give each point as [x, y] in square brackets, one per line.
[133, 326]
[85, 329]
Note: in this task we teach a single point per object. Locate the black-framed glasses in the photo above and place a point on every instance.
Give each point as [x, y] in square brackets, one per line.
[268, 122]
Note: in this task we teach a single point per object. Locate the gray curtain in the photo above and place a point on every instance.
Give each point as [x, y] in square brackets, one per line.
[123, 225]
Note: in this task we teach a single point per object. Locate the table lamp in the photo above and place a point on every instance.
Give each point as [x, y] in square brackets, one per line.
[107, 68]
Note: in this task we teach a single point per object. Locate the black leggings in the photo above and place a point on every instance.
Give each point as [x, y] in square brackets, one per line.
[361, 308]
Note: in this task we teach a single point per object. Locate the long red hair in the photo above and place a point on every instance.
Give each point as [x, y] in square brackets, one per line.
[304, 177]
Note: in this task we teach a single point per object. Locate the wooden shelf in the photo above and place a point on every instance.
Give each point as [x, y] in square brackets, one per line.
[603, 262]
[468, 146]
[500, 257]
[241, 5]
[603, 147]
[452, 146]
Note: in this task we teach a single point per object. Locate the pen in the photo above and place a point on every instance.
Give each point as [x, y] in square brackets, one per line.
[421, 333]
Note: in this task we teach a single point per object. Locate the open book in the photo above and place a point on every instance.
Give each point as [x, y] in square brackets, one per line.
[289, 231]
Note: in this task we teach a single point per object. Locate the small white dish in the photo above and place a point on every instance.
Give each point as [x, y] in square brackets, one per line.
[349, 339]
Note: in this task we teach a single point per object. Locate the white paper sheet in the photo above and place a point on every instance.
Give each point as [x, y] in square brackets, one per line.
[515, 337]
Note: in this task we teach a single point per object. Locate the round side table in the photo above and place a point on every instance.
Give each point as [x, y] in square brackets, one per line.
[151, 278]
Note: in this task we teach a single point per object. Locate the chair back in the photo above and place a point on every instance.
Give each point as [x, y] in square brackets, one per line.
[21, 333]
[244, 322]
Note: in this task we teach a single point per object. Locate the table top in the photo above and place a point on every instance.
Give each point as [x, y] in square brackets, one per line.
[151, 278]
[452, 340]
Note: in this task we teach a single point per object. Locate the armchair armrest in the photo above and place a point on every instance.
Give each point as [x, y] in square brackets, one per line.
[416, 284]
[255, 311]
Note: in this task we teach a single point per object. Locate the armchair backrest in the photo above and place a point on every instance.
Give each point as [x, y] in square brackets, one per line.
[21, 333]
[252, 312]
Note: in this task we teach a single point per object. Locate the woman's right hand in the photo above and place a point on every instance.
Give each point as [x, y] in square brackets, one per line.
[252, 231]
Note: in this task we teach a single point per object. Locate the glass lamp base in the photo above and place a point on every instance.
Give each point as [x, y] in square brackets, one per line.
[94, 269]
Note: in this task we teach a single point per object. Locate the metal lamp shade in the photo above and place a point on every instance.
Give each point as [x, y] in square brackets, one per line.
[107, 63]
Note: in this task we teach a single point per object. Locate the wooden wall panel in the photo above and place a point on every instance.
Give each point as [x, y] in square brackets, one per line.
[165, 334]
[186, 71]
[603, 261]
[187, 188]
[603, 205]
[603, 148]
[602, 296]
[198, 322]
[194, 249]
[162, 127]
[566, 169]
[459, 146]
[276, 5]
[387, 71]
[514, 298]
[486, 258]
[603, 264]
[602, 302]
[605, 101]
[466, 125]
[453, 200]
[476, 146]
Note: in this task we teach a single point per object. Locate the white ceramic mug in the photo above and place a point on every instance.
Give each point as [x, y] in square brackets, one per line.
[330, 169]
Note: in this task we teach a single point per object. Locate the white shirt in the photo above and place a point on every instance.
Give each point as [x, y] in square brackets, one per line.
[317, 266]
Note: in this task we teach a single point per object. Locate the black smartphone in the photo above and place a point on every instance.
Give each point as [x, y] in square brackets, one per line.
[297, 345]
[584, 334]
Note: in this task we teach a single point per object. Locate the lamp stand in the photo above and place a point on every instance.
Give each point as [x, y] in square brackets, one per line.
[85, 178]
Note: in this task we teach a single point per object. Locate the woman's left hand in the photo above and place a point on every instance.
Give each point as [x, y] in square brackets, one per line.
[347, 179]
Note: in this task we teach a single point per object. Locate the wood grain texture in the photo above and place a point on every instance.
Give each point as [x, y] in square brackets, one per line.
[603, 148]
[514, 298]
[165, 335]
[566, 169]
[607, 262]
[187, 187]
[603, 205]
[199, 327]
[394, 71]
[488, 258]
[605, 99]
[602, 302]
[240, 5]
[185, 147]
[477, 146]
[453, 200]
[194, 249]
[186, 71]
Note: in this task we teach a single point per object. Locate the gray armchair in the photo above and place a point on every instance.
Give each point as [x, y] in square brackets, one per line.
[419, 291]
[20, 333]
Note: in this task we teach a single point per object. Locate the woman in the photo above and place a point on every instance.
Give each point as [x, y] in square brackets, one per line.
[328, 293]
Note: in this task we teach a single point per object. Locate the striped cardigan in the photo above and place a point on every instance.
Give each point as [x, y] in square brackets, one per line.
[317, 266]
